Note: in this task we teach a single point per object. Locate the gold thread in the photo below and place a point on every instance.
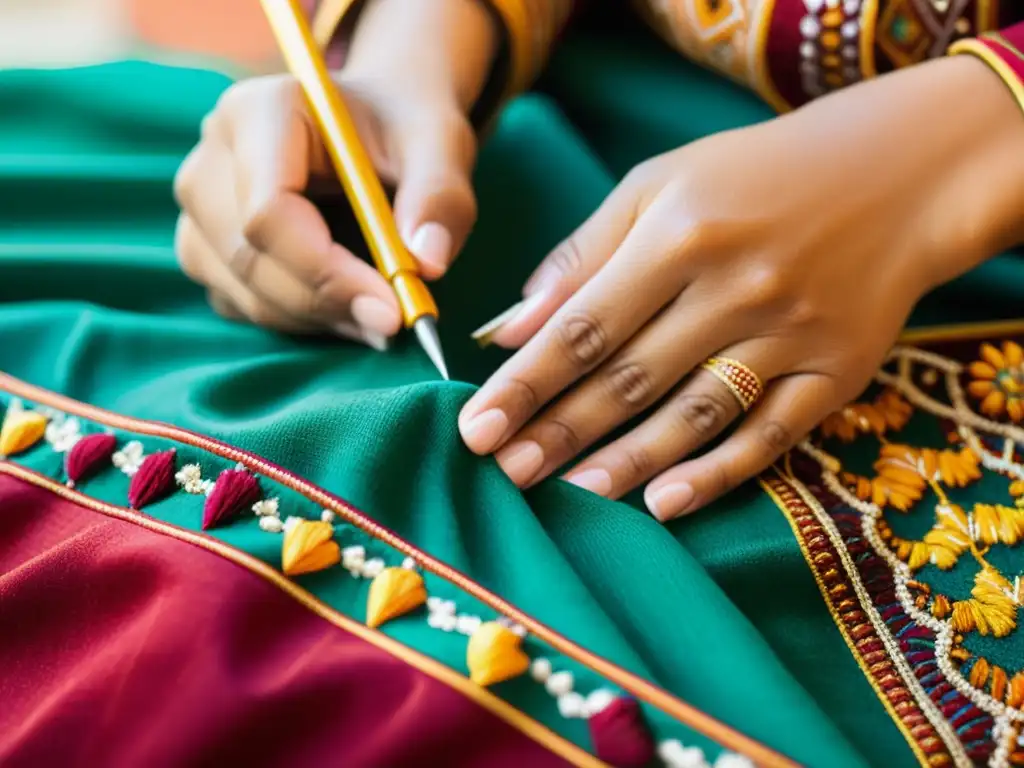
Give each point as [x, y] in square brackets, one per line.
[657, 697]
[1010, 78]
[435, 669]
[837, 619]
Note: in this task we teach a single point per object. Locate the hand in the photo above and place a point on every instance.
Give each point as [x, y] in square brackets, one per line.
[797, 247]
[262, 249]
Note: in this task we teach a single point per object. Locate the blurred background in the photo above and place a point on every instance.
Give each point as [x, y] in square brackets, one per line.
[229, 34]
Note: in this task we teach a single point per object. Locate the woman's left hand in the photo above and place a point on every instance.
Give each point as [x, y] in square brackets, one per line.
[797, 247]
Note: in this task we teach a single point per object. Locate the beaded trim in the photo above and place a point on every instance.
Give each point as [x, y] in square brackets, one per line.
[744, 384]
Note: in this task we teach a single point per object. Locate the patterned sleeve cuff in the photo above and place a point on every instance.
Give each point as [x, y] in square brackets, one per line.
[1002, 52]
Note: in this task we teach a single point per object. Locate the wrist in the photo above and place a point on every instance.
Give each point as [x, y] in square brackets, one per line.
[437, 52]
[975, 209]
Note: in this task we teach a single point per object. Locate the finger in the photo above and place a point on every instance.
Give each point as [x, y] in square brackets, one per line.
[640, 374]
[574, 261]
[435, 206]
[336, 295]
[700, 410]
[790, 411]
[224, 306]
[619, 299]
[206, 267]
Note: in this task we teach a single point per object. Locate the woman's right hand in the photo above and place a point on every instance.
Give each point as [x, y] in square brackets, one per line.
[248, 233]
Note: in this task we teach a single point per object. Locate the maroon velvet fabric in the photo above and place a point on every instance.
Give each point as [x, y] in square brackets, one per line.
[1009, 45]
[120, 646]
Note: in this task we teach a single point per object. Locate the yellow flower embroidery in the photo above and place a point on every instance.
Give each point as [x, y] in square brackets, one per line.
[998, 381]
[992, 608]
[888, 412]
[903, 473]
[995, 523]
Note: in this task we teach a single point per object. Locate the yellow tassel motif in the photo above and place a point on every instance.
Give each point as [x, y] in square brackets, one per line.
[495, 654]
[394, 591]
[21, 430]
[309, 546]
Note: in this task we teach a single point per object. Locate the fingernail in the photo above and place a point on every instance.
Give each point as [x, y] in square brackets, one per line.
[521, 461]
[377, 341]
[482, 433]
[669, 501]
[594, 480]
[374, 314]
[484, 335]
[432, 244]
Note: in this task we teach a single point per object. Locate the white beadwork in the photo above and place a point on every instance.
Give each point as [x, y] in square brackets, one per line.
[440, 605]
[327, 516]
[809, 26]
[410, 564]
[352, 558]
[129, 458]
[372, 568]
[732, 760]
[571, 705]
[559, 683]
[271, 524]
[540, 669]
[466, 624]
[267, 507]
[443, 621]
[62, 434]
[599, 700]
[190, 479]
[675, 755]
[290, 523]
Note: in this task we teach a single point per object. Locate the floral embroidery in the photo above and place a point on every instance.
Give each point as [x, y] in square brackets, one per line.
[999, 381]
[914, 633]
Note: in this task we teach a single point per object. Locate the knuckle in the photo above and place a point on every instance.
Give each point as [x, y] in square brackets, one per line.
[722, 479]
[763, 286]
[583, 339]
[523, 396]
[185, 249]
[702, 414]
[186, 177]
[566, 259]
[562, 436]
[776, 437]
[641, 174]
[639, 464]
[630, 385]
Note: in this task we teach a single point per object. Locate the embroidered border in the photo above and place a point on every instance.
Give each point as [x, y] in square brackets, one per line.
[482, 696]
[642, 689]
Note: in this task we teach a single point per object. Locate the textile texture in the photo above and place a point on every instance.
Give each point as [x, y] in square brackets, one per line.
[721, 609]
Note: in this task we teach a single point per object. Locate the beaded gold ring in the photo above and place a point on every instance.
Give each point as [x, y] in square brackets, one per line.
[744, 384]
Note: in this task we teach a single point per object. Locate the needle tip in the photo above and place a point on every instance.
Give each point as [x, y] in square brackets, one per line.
[426, 332]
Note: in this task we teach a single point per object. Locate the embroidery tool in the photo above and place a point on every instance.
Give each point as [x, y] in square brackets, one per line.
[357, 175]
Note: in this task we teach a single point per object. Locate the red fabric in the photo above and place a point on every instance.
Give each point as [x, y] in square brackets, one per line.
[121, 646]
[1008, 44]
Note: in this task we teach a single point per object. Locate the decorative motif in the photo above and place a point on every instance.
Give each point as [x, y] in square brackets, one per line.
[62, 433]
[234, 490]
[830, 51]
[394, 592]
[154, 479]
[20, 431]
[190, 479]
[620, 735]
[129, 458]
[910, 32]
[999, 381]
[309, 546]
[494, 654]
[913, 633]
[88, 456]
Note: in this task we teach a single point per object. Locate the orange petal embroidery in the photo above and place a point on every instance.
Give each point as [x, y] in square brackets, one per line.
[993, 356]
[495, 654]
[309, 546]
[21, 430]
[1013, 353]
[394, 592]
[993, 403]
[980, 370]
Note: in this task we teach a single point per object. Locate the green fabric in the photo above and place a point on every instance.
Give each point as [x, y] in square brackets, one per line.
[720, 609]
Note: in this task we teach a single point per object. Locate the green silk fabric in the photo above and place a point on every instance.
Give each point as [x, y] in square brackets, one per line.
[720, 608]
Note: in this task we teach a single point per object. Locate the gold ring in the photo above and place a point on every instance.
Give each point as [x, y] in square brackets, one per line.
[744, 384]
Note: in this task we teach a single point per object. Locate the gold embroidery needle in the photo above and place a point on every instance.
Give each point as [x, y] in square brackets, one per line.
[357, 175]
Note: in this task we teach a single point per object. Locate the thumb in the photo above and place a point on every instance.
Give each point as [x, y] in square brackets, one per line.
[435, 206]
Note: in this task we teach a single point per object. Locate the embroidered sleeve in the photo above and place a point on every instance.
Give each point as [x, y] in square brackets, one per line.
[531, 29]
[1002, 51]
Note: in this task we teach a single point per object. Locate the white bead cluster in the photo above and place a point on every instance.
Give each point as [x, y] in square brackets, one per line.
[190, 479]
[442, 614]
[269, 513]
[812, 49]
[129, 458]
[62, 432]
[674, 755]
[560, 685]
